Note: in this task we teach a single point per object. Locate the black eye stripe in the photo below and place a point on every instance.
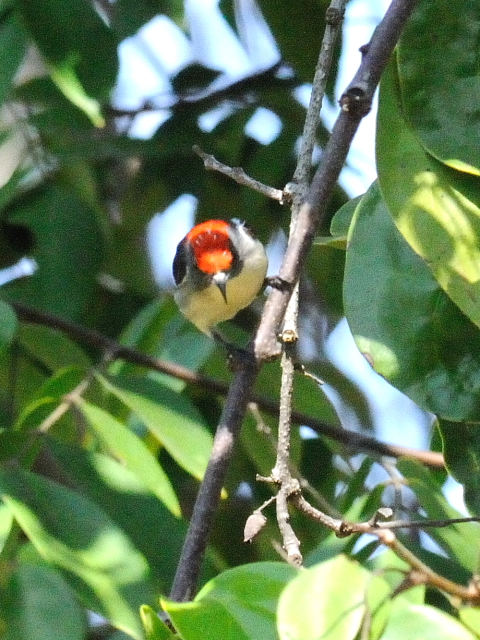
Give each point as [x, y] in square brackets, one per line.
[179, 266]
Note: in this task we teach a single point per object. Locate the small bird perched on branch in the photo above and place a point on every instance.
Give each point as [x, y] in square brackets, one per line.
[219, 268]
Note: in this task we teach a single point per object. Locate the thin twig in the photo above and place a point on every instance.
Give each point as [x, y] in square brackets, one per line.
[291, 543]
[61, 409]
[470, 593]
[386, 536]
[281, 472]
[238, 91]
[334, 19]
[422, 524]
[263, 428]
[238, 175]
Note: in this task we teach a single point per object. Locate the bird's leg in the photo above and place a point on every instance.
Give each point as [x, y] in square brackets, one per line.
[235, 355]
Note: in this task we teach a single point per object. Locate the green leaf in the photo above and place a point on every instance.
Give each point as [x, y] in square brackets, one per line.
[439, 80]
[52, 349]
[128, 503]
[160, 331]
[64, 379]
[154, 627]
[422, 622]
[236, 605]
[69, 254]
[170, 417]
[435, 208]
[403, 323]
[133, 452]
[461, 449]
[6, 521]
[67, 81]
[99, 561]
[8, 325]
[342, 219]
[470, 616]
[13, 47]
[460, 541]
[40, 605]
[326, 601]
[75, 41]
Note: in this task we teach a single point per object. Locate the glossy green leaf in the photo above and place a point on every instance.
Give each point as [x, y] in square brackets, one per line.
[438, 70]
[35, 412]
[48, 353]
[236, 605]
[325, 266]
[13, 444]
[6, 521]
[403, 322]
[13, 47]
[54, 350]
[436, 209]
[67, 81]
[460, 541]
[133, 452]
[40, 605]
[69, 254]
[155, 629]
[145, 330]
[461, 449]
[159, 330]
[8, 325]
[151, 527]
[470, 616]
[342, 219]
[170, 417]
[326, 601]
[422, 622]
[71, 35]
[98, 560]
[65, 379]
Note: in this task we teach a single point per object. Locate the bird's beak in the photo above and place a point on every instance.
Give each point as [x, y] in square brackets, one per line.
[220, 279]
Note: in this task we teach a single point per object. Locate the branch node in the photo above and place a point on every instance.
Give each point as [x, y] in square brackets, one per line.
[334, 16]
[344, 530]
[355, 101]
[383, 512]
[289, 336]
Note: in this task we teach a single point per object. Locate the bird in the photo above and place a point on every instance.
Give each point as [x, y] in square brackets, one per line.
[219, 268]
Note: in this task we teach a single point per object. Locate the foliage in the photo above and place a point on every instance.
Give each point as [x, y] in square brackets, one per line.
[100, 456]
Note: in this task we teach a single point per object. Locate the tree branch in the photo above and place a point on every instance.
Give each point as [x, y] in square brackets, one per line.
[356, 102]
[351, 439]
[265, 343]
[238, 175]
[383, 531]
[281, 472]
[191, 558]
